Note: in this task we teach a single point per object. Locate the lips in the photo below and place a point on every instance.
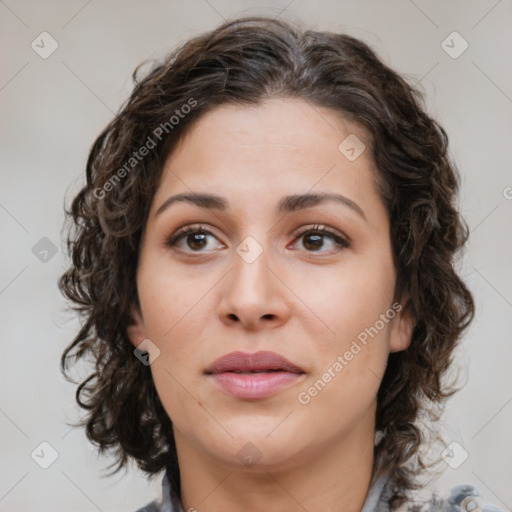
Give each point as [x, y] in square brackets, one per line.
[260, 362]
[254, 376]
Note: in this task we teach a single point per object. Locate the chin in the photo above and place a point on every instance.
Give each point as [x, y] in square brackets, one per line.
[258, 447]
[260, 457]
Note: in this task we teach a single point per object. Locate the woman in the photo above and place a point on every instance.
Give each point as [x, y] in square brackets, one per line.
[263, 257]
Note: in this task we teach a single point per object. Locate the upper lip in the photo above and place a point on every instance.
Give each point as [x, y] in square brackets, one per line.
[259, 361]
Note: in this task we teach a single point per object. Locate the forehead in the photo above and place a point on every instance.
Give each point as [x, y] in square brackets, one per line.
[278, 123]
[254, 155]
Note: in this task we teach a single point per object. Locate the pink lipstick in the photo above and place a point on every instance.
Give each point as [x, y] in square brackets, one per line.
[253, 376]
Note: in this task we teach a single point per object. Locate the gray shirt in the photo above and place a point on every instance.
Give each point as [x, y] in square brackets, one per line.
[462, 498]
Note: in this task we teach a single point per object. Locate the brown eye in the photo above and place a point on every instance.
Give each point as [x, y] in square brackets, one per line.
[196, 240]
[191, 239]
[314, 240]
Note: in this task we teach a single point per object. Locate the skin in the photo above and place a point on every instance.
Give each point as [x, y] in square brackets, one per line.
[305, 302]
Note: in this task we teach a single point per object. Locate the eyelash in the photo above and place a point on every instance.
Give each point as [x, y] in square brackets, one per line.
[316, 230]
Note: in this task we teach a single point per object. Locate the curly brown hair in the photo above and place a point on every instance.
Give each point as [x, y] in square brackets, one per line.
[244, 62]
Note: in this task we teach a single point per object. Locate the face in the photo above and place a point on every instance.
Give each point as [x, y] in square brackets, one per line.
[308, 280]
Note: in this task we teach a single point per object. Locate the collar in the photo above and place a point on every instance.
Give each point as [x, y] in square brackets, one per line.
[376, 500]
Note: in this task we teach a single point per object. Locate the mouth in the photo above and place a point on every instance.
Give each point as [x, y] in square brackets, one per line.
[260, 362]
[253, 376]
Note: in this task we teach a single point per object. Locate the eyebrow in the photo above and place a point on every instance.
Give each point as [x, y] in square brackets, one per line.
[287, 204]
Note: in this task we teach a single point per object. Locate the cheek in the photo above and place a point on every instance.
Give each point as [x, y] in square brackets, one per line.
[349, 301]
[340, 401]
[174, 321]
[177, 396]
[177, 315]
[351, 362]
[170, 301]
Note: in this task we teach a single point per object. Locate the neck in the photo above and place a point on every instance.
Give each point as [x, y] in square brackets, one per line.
[335, 478]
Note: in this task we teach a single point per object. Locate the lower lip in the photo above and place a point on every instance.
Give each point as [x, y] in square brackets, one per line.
[255, 386]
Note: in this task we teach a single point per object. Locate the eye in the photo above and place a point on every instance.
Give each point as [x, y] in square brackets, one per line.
[314, 239]
[194, 237]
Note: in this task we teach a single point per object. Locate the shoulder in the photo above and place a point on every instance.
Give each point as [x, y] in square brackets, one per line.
[165, 505]
[150, 507]
[169, 502]
[462, 498]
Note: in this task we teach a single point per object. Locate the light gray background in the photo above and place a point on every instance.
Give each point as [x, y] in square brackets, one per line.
[51, 111]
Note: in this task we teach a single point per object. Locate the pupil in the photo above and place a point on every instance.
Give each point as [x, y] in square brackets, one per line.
[316, 243]
[197, 240]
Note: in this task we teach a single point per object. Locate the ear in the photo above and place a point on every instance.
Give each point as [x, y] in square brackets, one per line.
[136, 331]
[402, 326]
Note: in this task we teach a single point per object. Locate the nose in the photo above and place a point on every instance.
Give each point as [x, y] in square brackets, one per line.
[254, 294]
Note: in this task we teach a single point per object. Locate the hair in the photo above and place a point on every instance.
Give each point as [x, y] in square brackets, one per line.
[244, 62]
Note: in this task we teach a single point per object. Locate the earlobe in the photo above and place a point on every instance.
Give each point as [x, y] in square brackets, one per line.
[136, 331]
[401, 328]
